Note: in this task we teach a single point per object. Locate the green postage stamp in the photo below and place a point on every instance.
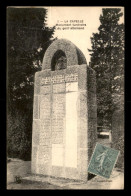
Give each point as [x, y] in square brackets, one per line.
[103, 160]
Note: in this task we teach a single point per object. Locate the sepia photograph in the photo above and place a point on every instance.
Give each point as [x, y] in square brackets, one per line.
[65, 97]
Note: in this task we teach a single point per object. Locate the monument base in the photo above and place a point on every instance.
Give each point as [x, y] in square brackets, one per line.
[61, 182]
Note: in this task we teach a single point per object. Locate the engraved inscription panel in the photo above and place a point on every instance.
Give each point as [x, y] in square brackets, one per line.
[59, 79]
[57, 137]
[58, 88]
[58, 118]
[45, 116]
[45, 107]
[57, 109]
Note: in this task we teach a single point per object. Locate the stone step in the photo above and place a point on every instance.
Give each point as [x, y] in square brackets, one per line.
[51, 180]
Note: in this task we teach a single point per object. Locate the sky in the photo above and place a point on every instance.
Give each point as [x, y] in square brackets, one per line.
[81, 38]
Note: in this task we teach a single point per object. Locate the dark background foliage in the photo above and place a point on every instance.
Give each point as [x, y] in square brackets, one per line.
[107, 59]
[27, 40]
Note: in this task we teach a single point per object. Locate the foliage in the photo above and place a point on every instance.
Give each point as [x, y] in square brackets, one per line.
[18, 179]
[18, 136]
[27, 39]
[107, 59]
[119, 145]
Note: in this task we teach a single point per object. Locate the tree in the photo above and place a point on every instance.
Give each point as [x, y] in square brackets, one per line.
[27, 40]
[107, 59]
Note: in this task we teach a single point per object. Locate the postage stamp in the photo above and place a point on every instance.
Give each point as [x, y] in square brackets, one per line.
[103, 160]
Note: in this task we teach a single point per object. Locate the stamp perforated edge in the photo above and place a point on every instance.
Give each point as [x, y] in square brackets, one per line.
[92, 156]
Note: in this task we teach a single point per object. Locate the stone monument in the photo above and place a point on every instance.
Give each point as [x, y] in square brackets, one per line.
[64, 113]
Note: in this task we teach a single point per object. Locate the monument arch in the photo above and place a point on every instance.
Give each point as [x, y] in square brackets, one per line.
[73, 54]
[59, 61]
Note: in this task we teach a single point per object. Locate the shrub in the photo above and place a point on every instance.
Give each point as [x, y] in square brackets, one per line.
[18, 141]
[119, 145]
